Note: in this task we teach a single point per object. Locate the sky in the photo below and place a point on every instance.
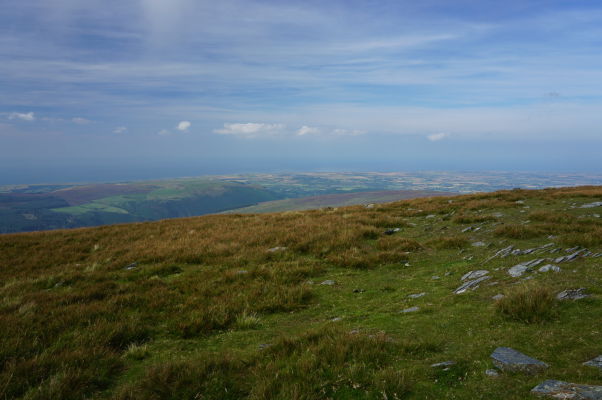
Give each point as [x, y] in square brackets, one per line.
[111, 90]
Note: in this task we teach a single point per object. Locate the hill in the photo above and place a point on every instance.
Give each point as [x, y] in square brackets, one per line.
[352, 303]
[69, 206]
[336, 200]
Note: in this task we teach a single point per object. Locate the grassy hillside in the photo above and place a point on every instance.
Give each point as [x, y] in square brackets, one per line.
[99, 204]
[304, 305]
[336, 200]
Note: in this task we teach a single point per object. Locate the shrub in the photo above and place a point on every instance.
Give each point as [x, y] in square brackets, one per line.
[528, 304]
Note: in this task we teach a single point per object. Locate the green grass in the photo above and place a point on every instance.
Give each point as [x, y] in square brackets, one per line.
[210, 313]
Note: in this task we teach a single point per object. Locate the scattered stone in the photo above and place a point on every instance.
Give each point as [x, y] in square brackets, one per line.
[596, 215]
[556, 250]
[430, 216]
[493, 283]
[491, 372]
[369, 206]
[417, 295]
[435, 277]
[596, 362]
[131, 266]
[520, 202]
[392, 231]
[447, 273]
[276, 249]
[467, 258]
[549, 267]
[479, 244]
[565, 390]
[519, 269]
[242, 272]
[336, 319]
[468, 229]
[572, 294]
[471, 285]
[328, 282]
[592, 205]
[570, 257]
[264, 346]
[474, 274]
[445, 365]
[498, 296]
[411, 309]
[505, 252]
[508, 359]
[358, 290]
[498, 215]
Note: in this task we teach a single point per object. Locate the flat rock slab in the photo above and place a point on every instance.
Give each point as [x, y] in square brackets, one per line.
[328, 282]
[596, 362]
[549, 267]
[565, 390]
[474, 274]
[508, 359]
[471, 285]
[411, 309]
[417, 295]
[572, 294]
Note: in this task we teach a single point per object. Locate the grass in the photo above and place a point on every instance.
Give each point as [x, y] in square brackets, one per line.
[209, 312]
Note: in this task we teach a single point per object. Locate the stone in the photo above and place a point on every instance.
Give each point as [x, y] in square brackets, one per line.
[467, 229]
[592, 205]
[435, 277]
[444, 364]
[416, 295]
[565, 390]
[411, 309]
[391, 231]
[131, 266]
[508, 359]
[520, 269]
[358, 290]
[498, 296]
[570, 257]
[369, 206]
[548, 268]
[336, 319]
[505, 252]
[242, 272]
[328, 282]
[479, 244]
[276, 249]
[572, 294]
[596, 362]
[430, 216]
[474, 274]
[491, 372]
[471, 285]
[264, 346]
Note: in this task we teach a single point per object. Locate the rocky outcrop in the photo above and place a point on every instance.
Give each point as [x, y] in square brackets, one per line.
[565, 390]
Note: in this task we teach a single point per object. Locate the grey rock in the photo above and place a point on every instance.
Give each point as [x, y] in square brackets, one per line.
[416, 295]
[444, 364]
[592, 205]
[435, 277]
[508, 359]
[502, 253]
[391, 231]
[479, 244]
[467, 229]
[358, 290]
[549, 267]
[565, 390]
[474, 274]
[328, 282]
[336, 319]
[131, 266]
[411, 309]
[520, 269]
[276, 249]
[498, 296]
[369, 206]
[264, 346]
[572, 294]
[491, 372]
[430, 216]
[471, 285]
[596, 362]
[570, 257]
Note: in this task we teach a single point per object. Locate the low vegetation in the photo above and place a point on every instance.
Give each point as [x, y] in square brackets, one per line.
[302, 305]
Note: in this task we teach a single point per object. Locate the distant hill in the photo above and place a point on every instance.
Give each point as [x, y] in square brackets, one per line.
[337, 200]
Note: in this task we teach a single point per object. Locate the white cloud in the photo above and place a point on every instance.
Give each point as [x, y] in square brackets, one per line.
[348, 132]
[250, 129]
[120, 129]
[80, 120]
[164, 132]
[183, 126]
[435, 137]
[307, 130]
[24, 116]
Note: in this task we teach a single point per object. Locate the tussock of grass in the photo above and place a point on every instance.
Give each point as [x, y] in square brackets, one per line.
[528, 304]
[518, 232]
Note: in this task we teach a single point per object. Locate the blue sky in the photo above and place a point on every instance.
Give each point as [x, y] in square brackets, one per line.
[182, 87]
